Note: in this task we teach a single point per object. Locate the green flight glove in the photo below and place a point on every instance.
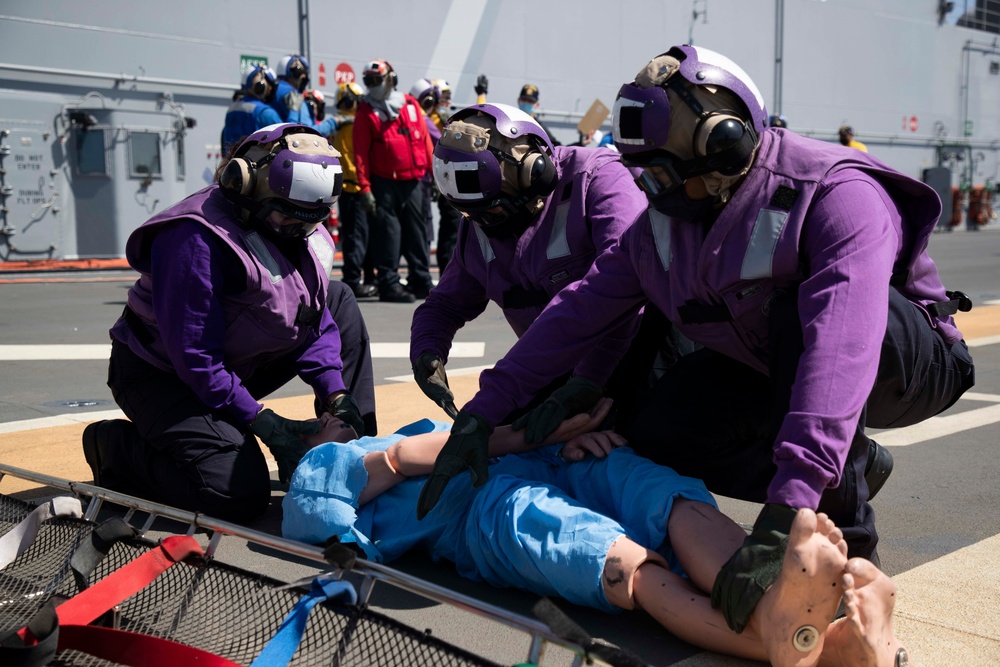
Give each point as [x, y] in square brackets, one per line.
[750, 571]
[576, 396]
[368, 202]
[467, 448]
[282, 437]
[344, 408]
[433, 381]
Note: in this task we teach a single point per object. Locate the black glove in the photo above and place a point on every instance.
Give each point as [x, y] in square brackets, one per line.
[467, 449]
[433, 381]
[368, 202]
[482, 84]
[747, 574]
[282, 437]
[346, 410]
[576, 396]
[435, 191]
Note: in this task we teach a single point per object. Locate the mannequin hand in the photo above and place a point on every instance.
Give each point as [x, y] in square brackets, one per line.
[576, 396]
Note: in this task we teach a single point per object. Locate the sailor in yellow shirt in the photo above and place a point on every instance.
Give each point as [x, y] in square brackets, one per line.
[847, 138]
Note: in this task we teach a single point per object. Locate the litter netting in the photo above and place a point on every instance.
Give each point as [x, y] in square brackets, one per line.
[212, 606]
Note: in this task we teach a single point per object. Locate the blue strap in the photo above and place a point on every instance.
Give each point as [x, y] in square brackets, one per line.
[283, 644]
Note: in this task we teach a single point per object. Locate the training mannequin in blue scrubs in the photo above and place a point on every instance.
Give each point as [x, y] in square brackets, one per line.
[523, 528]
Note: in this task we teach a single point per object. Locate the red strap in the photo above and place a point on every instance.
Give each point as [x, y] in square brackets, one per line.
[126, 581]
[133, 649]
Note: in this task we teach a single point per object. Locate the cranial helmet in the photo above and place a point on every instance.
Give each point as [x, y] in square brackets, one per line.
[378, 71]
[286, 168]
[495, 164]
[260, 81]
[317, 102]
[777, 120]
[443, 88]
[691, 112]
[426, 94]
[348, 95]
[293, 66]
[295, 69]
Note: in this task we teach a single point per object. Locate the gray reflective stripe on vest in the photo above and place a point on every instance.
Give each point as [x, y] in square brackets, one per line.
[257, 248]
[558, 243]
[660, 225]
[243, 105]
[484, 244]
[323, 250]
[759, 258]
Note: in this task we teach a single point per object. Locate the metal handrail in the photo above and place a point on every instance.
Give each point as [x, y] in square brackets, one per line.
[371, 572]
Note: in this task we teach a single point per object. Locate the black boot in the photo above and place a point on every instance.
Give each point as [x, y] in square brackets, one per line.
[878, 468]
[396, 294]
[95, 446]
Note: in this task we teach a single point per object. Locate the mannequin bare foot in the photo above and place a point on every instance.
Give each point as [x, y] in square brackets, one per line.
[795, 612]
[865, 637]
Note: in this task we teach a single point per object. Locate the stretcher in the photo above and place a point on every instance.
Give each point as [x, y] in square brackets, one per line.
[82, 583]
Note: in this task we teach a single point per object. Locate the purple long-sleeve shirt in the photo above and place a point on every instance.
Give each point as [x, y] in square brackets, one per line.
[836, 225]
[594, 200]
[189, 299]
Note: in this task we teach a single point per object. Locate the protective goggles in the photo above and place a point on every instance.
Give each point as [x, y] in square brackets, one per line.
[305, 180]
[674, 171]
[641, 120]
[309, 215]
[468, 178]
[372, 79]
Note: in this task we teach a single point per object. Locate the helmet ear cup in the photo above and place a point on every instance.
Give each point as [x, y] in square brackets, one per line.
[537, 174]
[260, 85]
[726, 141]
[239, 176]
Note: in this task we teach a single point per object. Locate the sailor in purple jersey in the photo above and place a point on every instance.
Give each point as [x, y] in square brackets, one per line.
[233, 300]
[536, 217]
[802, 269]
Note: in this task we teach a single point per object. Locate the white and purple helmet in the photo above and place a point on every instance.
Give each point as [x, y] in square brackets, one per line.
[288, 168]
[469, 171]
[723, 139]
[426, 94]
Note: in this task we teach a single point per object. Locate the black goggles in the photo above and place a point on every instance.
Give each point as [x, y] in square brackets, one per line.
[673, 168]
[309, 215]
[372, 80]
[490, 213]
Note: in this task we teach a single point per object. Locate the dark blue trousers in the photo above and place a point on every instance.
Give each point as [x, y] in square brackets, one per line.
[354, 243]
[399, 228]
[716, 419]
[175, 450]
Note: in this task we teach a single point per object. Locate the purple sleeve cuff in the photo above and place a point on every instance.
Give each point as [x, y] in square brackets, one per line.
[797, 484]
[244, 407]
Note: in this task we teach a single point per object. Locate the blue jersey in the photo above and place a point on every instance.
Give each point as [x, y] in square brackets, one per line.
[245, 116]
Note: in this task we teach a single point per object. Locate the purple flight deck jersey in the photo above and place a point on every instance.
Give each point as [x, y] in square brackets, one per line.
[593, 202]
[834, 223]
[217, 301]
